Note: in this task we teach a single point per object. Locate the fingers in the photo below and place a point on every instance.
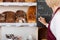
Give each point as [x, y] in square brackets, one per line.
[41, 19]
[38, 19]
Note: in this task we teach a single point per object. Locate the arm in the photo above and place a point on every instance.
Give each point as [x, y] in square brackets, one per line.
[43, 21]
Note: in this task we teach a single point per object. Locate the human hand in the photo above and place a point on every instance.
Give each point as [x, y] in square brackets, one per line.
[42, 20]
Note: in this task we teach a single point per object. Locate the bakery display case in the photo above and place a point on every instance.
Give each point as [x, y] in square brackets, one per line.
[18, 16]
[17, 21]
[18, 13]
[19, 33]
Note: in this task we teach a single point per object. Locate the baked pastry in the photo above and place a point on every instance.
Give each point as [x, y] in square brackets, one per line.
[7, 0]
[30, 0]
[31, 14]
[20, 16]
[1, 0]
[20, 0]
[10, 16]
[2, 18]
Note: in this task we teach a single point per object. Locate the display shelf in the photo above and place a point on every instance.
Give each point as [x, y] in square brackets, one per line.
[19, 24]
[17, 4]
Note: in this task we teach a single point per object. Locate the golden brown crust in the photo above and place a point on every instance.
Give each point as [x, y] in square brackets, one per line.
[30, 0]
[10, 16]
[2, 18]
[7, 0]
[31, 14]
[20, 0]
[20, 15]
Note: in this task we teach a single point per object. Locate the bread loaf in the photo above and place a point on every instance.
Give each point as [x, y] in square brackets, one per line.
[2, 18]
[1, 0]
[20, 0]
[30, 0]
[10, 16]
[7, 0]
[20, 16]
[31, 14]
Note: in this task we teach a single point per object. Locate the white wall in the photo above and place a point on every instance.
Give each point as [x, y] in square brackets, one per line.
[13, 8]
[20, 31]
